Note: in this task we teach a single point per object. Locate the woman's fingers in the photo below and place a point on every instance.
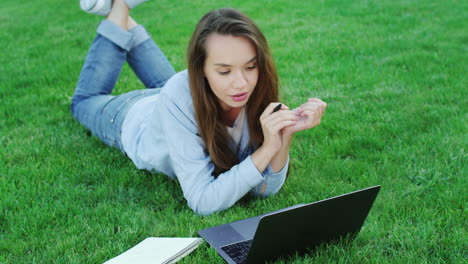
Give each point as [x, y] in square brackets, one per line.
[312, 112]
[277, 121]
[273, 123]
[275, 128]
[272, 112]
[315, 105]
[316, 100]
[306, 116]
[269, 109]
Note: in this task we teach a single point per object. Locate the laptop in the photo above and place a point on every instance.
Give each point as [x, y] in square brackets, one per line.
[293, 229]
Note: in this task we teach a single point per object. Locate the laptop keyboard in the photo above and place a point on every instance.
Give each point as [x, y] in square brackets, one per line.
[238, 251]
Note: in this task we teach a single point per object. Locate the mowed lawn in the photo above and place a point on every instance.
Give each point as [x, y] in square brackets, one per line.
[394, 75]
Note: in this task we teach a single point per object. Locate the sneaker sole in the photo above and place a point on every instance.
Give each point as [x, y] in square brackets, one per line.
[99, 8]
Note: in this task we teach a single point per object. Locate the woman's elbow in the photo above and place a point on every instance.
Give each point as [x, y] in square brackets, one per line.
[204, 210]
[206, 207]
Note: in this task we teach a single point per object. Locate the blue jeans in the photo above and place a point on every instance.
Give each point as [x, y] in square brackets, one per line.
[92, 104]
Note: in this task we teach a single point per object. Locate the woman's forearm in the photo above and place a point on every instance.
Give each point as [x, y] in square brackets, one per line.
[279, 160]
[262, 156]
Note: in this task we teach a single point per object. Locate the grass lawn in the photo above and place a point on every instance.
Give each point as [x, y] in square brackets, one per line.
[394, 75]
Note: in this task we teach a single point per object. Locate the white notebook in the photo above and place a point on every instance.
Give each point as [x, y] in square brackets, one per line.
[157, 250]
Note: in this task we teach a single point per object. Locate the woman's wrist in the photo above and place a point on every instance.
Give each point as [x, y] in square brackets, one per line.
[270, 155]
[262, 157]
[287, 139]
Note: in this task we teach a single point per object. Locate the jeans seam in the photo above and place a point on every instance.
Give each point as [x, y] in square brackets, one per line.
[124, 104]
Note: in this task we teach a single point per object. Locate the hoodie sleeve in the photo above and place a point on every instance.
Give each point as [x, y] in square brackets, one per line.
[194, 169]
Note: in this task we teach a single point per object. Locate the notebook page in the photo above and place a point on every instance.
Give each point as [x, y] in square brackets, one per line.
[156, 250]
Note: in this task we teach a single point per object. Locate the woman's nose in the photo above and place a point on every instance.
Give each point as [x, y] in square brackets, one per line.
[240, 80]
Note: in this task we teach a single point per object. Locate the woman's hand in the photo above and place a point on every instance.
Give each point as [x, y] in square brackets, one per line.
[278, 129]
[273, 125]
[275, 147]
[310, 115]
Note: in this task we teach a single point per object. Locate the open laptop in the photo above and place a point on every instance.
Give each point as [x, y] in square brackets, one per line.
[293, 229]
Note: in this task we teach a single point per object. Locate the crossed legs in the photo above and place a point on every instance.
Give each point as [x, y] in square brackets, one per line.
[119, 39]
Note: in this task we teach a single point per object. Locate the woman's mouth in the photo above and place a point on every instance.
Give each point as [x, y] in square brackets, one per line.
[239, 97]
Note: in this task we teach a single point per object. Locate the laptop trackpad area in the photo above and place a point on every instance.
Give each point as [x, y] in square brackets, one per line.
[247, 227]
[221, 235]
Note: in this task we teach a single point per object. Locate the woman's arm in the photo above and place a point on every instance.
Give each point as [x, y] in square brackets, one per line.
[275, 148]
[308, 116]
[279, 160]
[205, 193]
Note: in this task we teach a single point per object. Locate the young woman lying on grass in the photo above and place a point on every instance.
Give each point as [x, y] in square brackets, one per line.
[213, 126]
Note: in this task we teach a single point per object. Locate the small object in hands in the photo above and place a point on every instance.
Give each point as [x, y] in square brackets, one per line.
[277, 108]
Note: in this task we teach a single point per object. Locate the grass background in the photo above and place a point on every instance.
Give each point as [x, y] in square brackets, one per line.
[394, 74]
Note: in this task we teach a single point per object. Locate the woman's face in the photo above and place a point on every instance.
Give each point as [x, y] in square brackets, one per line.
[231, 69]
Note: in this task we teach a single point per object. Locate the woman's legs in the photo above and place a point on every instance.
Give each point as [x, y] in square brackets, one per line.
[106, 56]
[92, 104]
[147, 60]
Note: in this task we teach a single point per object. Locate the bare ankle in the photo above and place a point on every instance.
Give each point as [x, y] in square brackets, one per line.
[131, 23]
[119, 14]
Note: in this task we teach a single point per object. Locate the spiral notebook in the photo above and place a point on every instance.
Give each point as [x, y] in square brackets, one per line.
[157, 250]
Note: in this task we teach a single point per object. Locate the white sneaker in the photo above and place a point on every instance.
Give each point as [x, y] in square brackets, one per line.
[103, 7]
[134, 3]
[96, 7]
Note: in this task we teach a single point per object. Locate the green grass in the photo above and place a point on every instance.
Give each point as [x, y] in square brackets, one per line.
[394, 74]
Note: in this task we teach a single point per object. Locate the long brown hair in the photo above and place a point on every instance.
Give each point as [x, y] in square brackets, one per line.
[208, 111]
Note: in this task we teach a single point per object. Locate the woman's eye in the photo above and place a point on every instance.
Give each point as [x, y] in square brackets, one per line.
[251, 67]
[224, 73]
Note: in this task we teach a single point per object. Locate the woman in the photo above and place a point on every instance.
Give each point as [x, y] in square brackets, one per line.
[214, 126]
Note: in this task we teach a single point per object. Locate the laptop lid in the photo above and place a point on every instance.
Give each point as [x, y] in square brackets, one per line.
[308, 226]
[295, 229]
